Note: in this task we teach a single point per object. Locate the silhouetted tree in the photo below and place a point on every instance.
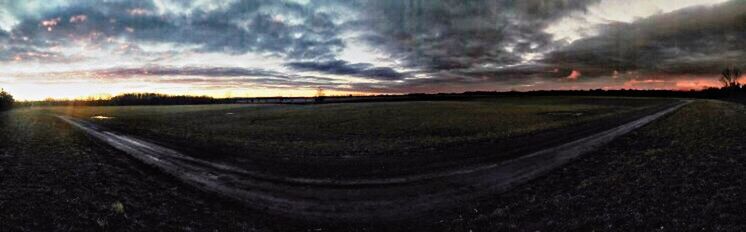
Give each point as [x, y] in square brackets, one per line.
[730, 78]
[6, 100]
[320, 95]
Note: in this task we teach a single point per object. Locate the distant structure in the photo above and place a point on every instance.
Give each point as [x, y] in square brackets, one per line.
[319, 95]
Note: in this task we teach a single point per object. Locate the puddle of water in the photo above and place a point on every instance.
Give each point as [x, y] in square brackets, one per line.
[99, 117]
[229, 113]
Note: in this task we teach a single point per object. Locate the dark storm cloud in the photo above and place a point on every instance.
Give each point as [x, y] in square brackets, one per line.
[699, 40]
[229, 83]
[197, 75]
[450, 44]
[445, 35]
[517, 72]
[215, 73]
[340, 67]
[430, 35]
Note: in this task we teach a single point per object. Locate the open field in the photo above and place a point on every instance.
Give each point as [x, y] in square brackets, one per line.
[372, 115]
[309, 140]
[683, 173]
[55, 178]
[367, 199]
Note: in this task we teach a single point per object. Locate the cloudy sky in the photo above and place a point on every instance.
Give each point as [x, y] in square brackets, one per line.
[68, 49]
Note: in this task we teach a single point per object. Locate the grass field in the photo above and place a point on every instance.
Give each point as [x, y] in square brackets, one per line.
[685, 173]
[682, 172]
[308, 134]
[55, 178]
[355, 129]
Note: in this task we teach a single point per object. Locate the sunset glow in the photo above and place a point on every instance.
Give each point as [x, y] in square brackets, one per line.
[77, 49]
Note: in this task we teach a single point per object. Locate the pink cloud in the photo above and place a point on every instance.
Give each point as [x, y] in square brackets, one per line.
[574, 75]
[78, 18]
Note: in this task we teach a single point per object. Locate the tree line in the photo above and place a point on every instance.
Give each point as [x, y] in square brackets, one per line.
[160, 99]
[732, 90]
[128, 99]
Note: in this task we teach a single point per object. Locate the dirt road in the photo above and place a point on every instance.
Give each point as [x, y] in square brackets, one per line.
[55, 178]
[360, 199]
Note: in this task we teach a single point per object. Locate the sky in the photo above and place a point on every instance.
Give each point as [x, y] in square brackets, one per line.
[249, 48]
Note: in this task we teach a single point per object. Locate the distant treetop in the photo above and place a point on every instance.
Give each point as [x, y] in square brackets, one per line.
[6, 100]
[730, 78]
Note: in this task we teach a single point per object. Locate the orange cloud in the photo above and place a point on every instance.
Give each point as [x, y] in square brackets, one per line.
[696, 84]
[646, 84]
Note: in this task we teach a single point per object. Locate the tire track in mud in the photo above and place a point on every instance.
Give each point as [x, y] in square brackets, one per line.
[356, 200]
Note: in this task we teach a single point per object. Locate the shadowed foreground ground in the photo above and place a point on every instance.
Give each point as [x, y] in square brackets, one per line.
[684, 172]
[54, 178]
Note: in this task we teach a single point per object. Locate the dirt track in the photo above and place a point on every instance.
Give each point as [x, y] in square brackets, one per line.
[53, 177]
[359, 199]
